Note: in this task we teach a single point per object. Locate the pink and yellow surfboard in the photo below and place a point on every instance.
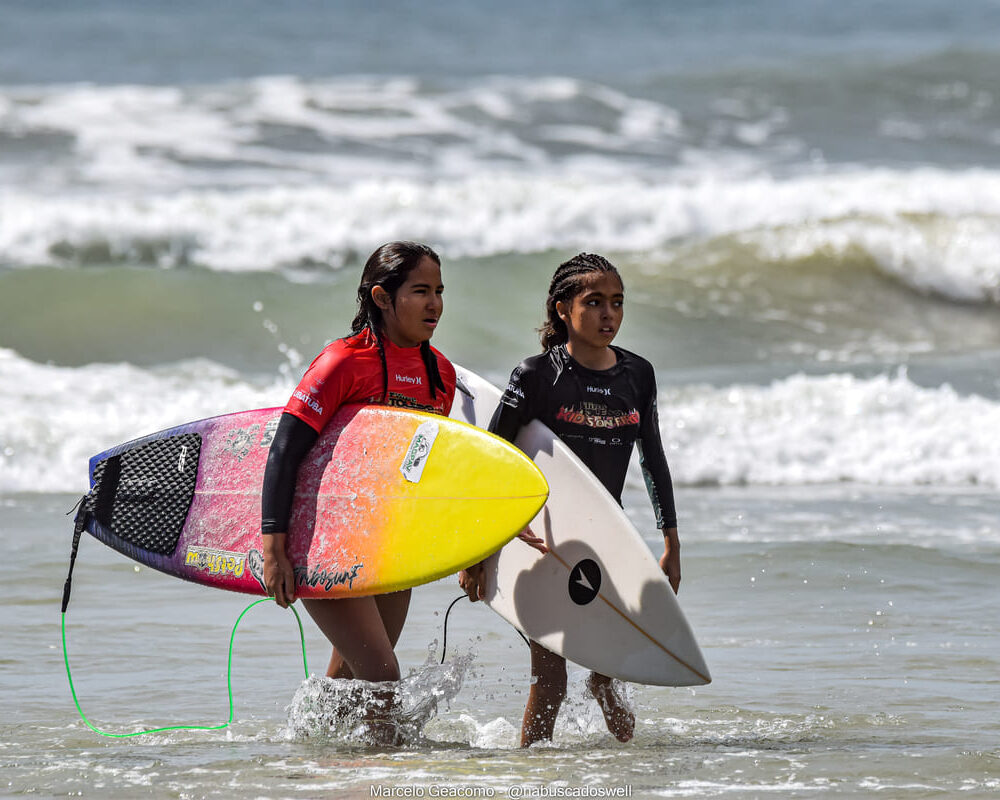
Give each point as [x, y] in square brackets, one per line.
[386, 499]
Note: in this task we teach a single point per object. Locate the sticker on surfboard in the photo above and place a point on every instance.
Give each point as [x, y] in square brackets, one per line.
[584, 581]
[419, 450]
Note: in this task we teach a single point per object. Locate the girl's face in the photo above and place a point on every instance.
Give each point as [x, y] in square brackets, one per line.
[411, 318]
[595, 313]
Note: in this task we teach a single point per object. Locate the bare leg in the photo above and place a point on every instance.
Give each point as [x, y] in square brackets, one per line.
[392, 608]
[617, 715]
[355, 628]
[546, 694]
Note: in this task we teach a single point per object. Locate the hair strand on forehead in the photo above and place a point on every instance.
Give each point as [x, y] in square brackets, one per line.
[566, 284]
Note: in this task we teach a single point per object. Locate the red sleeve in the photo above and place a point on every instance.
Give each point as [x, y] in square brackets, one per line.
[327, 384]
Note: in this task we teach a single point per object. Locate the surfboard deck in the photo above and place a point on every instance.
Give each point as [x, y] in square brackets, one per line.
[598, 597]
[386, 499]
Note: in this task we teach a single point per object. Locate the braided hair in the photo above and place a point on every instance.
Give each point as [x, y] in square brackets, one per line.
[388, 267]
[567, 284]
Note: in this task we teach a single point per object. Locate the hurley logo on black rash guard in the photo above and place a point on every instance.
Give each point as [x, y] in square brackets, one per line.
[606, 391]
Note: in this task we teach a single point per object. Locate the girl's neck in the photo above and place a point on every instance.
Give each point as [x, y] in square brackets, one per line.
[595, 358]
[390, 335]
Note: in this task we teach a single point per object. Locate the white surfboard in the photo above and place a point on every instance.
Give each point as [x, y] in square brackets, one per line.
[598, 597]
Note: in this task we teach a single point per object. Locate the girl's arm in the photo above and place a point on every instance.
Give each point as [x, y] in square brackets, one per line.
[670, 561]
[506, 422]
[327, 384]
[292, 440]
[511, 414]
[515, 408]
[660, 487]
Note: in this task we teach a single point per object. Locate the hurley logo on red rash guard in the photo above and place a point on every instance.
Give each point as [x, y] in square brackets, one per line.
[594, 419]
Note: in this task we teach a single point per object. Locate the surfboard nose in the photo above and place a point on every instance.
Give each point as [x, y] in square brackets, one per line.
[456, 495]
[486, 465]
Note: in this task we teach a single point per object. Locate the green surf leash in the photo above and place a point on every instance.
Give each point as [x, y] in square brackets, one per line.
[82, 509]
[229, 681]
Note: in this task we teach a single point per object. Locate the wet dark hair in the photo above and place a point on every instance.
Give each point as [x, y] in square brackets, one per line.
[389, 267]
[566, 284]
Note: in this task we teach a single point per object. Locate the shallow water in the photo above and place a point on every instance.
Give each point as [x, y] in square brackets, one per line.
[851, 634]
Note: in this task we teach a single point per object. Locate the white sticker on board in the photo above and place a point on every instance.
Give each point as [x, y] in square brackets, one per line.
[418, 452]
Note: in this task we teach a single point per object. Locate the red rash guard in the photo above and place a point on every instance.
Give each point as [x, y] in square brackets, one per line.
[346, 371]
[350, 371]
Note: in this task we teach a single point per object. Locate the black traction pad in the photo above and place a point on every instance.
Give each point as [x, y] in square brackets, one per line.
[142, 495]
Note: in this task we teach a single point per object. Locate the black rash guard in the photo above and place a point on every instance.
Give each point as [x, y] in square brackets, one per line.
[599, 414]
[292, 440]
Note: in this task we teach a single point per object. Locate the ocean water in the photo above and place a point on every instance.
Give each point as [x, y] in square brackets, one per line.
[804, 202]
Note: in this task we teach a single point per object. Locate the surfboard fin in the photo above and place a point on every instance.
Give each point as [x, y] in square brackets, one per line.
[463, 387]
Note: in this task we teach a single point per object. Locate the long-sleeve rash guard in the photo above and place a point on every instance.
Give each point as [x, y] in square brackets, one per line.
[599, 414]
[346, 371]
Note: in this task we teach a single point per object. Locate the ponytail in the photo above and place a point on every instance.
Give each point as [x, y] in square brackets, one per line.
[434, 379]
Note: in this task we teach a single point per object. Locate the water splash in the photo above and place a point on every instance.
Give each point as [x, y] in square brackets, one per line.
[580, 719]
[353, 712]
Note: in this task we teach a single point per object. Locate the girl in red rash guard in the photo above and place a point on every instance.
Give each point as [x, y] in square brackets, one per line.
[387, 359]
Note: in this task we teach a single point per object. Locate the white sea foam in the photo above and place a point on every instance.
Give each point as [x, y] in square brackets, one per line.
[144, 136]
[931, 229]
[279, 171]
[53, 419]
[955, 257]
[813, 430]
[801, 430]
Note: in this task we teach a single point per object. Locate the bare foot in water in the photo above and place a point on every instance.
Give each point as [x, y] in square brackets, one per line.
[617, 715]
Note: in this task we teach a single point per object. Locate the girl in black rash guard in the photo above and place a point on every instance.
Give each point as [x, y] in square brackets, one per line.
[600, 400]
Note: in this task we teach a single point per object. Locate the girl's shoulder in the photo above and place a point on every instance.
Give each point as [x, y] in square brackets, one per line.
[634, 361]
[547, 364]
[348, 352]
[638, 371]
[352, 344]
[443, 361]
